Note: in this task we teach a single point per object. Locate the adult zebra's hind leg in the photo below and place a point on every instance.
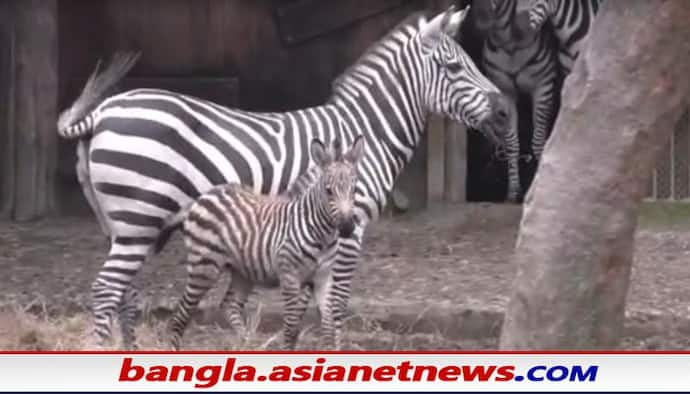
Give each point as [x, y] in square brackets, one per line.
[128, 312]
[202, 275]
[127, 254]
[86, 185]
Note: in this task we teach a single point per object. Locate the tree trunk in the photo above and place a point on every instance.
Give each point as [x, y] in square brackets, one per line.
[28, 127]
[574, 250]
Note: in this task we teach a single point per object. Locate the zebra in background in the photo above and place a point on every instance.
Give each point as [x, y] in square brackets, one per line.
[152, 152]
[268, 240]
[570, 20]
[522, 63]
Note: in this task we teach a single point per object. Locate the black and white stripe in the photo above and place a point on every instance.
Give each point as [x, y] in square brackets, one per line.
[152, 152]
[571, 21]
[268, 241]
[521, 63]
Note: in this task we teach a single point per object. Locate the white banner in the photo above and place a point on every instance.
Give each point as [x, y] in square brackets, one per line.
[393, 372]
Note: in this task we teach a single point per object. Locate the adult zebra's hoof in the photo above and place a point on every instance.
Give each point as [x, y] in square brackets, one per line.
[513, 198]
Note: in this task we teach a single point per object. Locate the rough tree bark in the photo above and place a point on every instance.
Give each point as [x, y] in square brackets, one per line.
[28, 130]
[574, 250]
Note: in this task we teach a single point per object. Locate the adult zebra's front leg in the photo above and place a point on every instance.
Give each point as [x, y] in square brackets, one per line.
[511, 140]
[512, 147]
[543, 109]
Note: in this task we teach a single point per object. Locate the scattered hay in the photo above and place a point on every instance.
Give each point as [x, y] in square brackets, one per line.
[33, 328]
[22, 330]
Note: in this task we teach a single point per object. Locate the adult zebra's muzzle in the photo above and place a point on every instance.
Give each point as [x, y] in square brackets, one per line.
[499, 121]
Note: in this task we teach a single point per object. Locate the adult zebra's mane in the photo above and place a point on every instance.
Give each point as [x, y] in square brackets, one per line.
[410, 25]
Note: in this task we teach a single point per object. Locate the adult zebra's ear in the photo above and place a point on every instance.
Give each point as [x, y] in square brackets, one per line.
[321, 156]
[445, 23]
[356, 152]
[453, 20]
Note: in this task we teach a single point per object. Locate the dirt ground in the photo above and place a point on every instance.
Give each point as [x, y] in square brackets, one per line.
[434, 280]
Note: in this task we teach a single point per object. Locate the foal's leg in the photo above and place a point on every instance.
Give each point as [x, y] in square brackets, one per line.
[234, 300]
[202, 275]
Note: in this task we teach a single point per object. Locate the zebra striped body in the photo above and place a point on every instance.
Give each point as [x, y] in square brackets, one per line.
[152, 152]
[522, 66]
[571, 21]
[267, 240]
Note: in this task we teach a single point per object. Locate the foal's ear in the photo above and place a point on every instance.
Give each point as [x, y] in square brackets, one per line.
[356, 152]
[321, 156]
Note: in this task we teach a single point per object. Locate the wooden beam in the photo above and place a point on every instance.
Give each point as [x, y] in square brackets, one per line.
[455, 161]
[7, 84]
[305, 19]
[435, 168]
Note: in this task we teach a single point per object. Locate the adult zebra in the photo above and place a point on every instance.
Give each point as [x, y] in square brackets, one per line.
[522, 63]
[151, 152]
[571, 21]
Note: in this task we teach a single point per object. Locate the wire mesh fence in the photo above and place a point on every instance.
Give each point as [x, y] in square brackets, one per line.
[670, 179]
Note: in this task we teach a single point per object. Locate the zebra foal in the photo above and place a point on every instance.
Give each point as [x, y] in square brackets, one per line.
[268, 240]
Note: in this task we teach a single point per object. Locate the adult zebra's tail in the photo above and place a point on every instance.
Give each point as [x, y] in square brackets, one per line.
[76, 121]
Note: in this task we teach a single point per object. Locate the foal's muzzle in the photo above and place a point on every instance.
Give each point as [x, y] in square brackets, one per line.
[346, 228]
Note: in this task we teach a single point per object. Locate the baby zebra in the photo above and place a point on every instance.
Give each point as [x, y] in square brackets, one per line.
[268, 240]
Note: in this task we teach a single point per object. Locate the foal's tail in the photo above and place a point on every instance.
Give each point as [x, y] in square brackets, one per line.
[170, 225]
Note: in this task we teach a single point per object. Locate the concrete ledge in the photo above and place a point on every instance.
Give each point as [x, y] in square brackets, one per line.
[451, 323]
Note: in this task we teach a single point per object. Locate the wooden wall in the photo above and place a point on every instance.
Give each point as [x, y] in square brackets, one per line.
[220, 38]
[247, 39]
[283, 54]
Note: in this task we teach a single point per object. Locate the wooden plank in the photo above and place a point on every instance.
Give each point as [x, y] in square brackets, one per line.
[305, 19]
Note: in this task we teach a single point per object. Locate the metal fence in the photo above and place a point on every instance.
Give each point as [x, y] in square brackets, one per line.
[671, 178]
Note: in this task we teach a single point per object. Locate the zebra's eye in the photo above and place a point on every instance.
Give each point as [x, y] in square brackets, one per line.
[329, 191]
[454, 67]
